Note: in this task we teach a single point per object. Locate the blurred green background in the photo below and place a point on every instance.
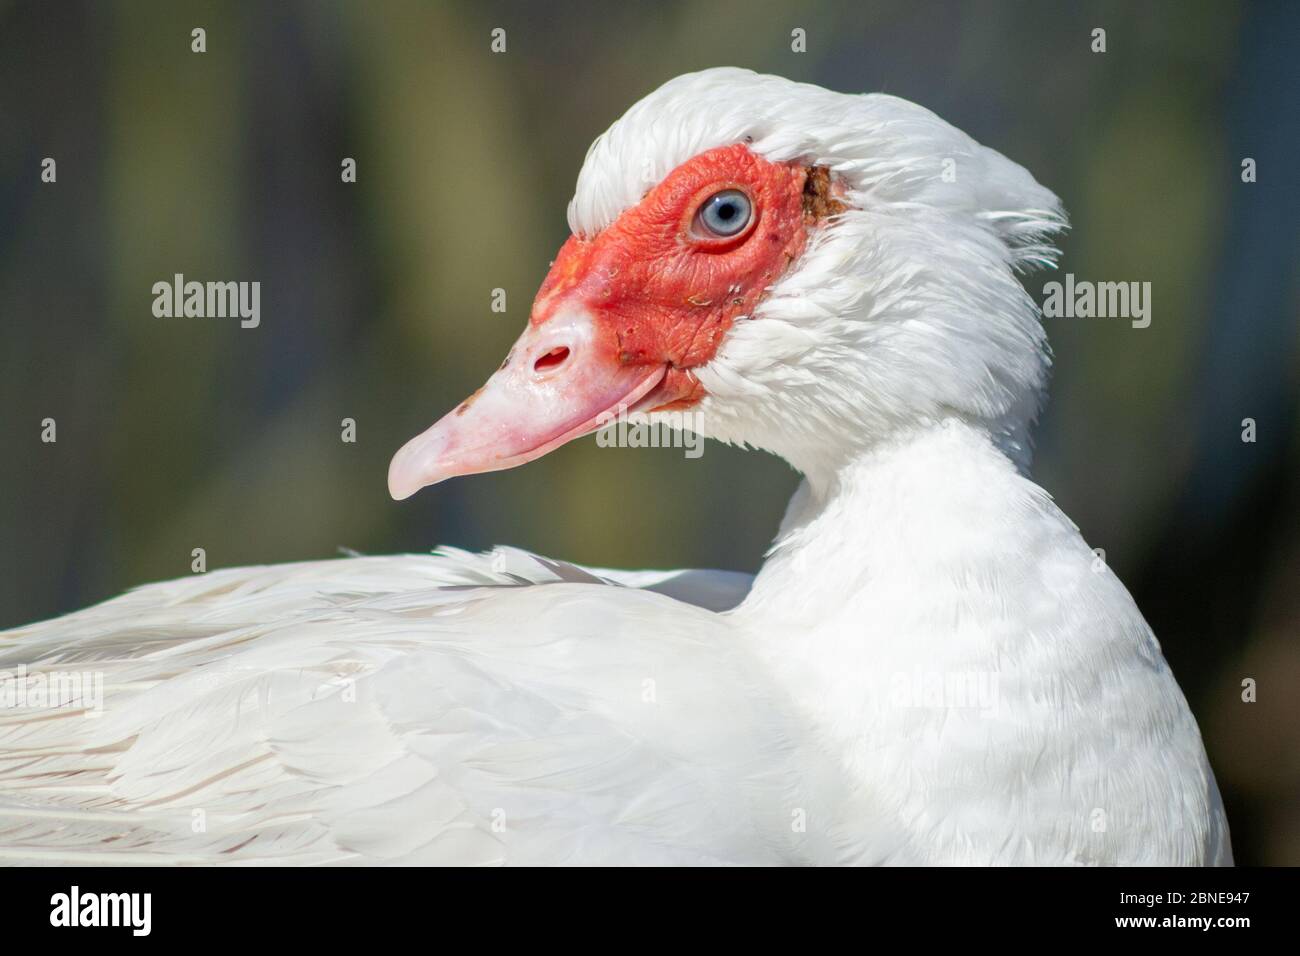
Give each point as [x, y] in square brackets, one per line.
[183, 433]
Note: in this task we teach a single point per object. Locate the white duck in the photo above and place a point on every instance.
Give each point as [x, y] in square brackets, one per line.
[929, 668]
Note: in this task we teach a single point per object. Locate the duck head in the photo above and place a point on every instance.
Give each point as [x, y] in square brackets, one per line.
[808, 272]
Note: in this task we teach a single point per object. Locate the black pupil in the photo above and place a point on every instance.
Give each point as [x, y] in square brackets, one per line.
[726, 210]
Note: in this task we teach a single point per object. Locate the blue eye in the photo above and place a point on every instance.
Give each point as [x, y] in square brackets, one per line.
[726, 213]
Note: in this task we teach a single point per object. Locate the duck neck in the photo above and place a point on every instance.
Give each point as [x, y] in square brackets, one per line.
[889, 574]
[878, 528]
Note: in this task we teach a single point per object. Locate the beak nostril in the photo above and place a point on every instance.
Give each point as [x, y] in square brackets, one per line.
[552, 359]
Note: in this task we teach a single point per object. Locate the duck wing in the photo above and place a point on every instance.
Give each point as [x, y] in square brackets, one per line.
[458, 709]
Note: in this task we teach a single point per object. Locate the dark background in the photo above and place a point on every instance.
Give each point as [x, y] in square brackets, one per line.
[183, 433]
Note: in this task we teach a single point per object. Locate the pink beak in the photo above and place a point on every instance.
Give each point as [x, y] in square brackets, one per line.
[560, 381]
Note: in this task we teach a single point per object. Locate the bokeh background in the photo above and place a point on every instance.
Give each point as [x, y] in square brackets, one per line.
[183, 433]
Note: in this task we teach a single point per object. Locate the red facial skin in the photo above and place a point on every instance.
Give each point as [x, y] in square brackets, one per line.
[633, 310]
[663, 290]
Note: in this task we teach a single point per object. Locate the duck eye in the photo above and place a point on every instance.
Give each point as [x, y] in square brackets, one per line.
[726, 213]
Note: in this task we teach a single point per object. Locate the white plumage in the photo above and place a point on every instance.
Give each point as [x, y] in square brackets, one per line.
[930, 667]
